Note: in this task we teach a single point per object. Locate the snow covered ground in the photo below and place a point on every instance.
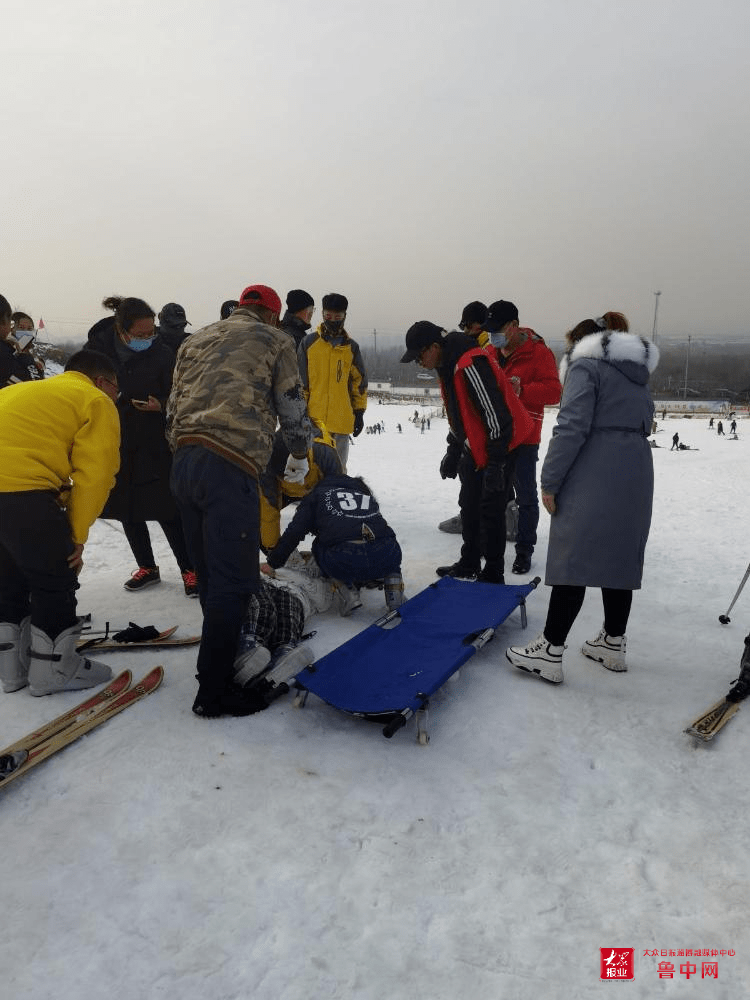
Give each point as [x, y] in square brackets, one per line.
[298, 855]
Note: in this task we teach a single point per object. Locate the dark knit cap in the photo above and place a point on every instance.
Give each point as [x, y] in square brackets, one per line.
[298, 299]
[334, 302]
[420, 336]
[227, 308]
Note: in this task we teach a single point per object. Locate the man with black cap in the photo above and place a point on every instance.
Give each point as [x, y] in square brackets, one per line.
[232, 382]
[531, 368]
[487, 423]
[472, 322]
[300, 306]
[172, 323]
[333, 374]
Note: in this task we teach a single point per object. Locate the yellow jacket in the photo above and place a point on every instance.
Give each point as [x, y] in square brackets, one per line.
[57, 430]
[334, 379]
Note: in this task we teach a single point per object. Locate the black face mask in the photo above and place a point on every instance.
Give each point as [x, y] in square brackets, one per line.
[334, 325]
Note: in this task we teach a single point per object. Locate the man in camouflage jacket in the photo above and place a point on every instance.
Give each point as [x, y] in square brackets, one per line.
[233, 380]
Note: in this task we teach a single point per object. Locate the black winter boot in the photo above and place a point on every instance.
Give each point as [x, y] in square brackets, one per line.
[741, 688]
[461, 571]
[231, 700]
[491, 574]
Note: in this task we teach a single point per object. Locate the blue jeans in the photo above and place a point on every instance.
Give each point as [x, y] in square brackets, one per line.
[354, 563]
[219, 506]
[527, 497]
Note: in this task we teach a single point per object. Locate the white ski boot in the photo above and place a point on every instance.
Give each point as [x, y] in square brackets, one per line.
[608, 650]
[14, 655]
[252, 658]
[349, 599]
[393, 588]
[58, 666]
[288, 660]
[539, 658]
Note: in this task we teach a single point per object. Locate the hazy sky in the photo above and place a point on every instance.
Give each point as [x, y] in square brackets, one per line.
[572, 156]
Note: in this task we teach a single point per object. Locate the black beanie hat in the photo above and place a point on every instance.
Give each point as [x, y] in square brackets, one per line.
[298, 299]
[334, 302]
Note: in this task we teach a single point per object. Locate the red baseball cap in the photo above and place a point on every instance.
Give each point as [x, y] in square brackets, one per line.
[261, 295]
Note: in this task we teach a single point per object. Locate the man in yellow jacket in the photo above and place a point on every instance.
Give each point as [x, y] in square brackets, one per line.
[333, 376]
[60, 442]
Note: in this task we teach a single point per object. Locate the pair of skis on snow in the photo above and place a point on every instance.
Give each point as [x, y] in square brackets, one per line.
[32, 749]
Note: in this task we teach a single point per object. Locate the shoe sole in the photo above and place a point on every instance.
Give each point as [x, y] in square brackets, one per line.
[536, 671]
[612, 666]
[141, 586]
[457, 576]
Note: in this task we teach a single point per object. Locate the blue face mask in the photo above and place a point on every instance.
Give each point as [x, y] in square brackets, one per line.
[140, 345]
[497, 339]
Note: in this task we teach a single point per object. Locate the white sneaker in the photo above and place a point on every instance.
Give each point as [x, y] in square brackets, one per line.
[539, 658]
[608, 650]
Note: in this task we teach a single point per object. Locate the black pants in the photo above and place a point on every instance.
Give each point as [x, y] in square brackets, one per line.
[139, 539]
[483, 514]
[566, 602]
[219, 506]
[35, 579]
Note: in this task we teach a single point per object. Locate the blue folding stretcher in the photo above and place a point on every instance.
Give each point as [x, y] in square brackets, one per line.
[388, 671]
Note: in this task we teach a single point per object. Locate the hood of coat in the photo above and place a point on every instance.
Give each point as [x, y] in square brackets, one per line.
[635, 357]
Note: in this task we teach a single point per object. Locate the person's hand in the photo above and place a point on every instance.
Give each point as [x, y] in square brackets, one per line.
[494, 477]
[75, 559]
[548, 500]
[449, 464]
[515, 384]
[359, 422]
[296, 469]
[267, 570]
[151, 404]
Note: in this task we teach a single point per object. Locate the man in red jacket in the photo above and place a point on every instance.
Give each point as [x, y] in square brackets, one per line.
[487, 424]
[530, 367]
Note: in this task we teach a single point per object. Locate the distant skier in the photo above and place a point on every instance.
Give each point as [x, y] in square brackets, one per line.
[733, 427]
[720, 428]
[675, 442]
[711, 423]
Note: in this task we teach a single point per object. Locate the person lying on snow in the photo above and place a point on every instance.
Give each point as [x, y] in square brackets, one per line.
[270, 648]
[353, 542]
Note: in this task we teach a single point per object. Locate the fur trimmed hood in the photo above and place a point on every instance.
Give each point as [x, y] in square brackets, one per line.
[634, 356]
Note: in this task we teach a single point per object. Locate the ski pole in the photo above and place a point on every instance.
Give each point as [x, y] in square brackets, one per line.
[725, 619]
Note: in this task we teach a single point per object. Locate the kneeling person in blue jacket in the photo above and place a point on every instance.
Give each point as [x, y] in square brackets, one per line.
[353, 542]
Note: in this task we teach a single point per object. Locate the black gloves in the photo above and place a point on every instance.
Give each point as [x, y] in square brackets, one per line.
[449, 464]
[494, 477]
[359, 422]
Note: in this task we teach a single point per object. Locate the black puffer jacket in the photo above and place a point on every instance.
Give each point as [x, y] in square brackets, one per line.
[141, 491]
[16, 367]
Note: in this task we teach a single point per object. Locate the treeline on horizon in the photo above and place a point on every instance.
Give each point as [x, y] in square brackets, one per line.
[714, 369]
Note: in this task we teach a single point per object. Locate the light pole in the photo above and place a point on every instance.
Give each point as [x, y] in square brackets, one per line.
[656, 310]
[687, 365]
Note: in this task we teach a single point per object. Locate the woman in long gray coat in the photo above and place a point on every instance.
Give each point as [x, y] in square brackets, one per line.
[598, 484]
